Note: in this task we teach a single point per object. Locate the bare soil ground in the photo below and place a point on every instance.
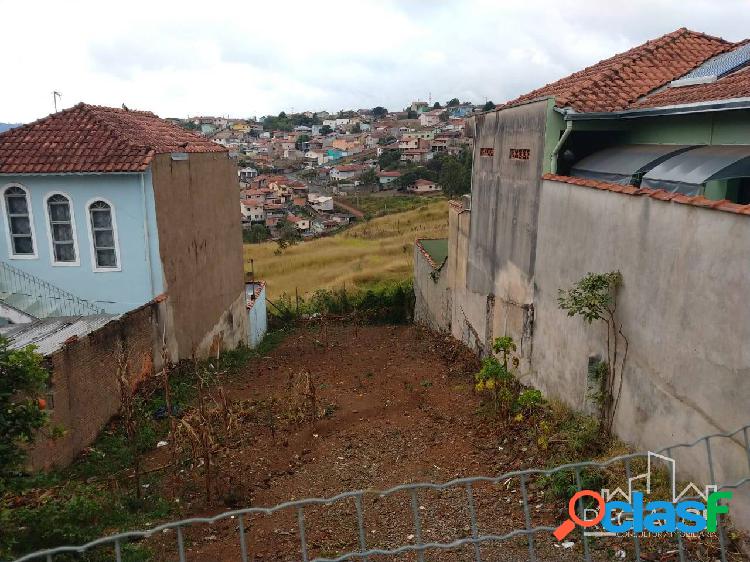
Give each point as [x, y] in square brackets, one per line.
[396, 405]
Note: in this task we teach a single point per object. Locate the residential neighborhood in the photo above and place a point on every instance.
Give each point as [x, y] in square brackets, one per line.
[426, 281]
[291, 176]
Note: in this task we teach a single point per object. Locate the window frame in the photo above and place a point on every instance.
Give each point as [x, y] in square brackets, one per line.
[11, 252]
[50, 238]
[92, 247]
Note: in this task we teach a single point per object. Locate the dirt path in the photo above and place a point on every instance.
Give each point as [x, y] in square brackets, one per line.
[398, 407]
[348, 208]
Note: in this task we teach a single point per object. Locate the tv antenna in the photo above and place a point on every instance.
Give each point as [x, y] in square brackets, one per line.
[55, 96]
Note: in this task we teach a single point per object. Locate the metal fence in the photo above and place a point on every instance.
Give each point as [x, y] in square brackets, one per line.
[39, 298]
[477, 541]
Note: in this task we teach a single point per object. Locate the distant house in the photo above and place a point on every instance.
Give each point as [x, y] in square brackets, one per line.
[416, 155]
[384, 178]
[252, 210]
[247, 174]
[430, 118]
[335, 153]
[424, 186]
[346, 172]
[321, 203]
[302, 223]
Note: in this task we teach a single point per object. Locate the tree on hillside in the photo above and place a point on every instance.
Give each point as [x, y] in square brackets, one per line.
[22, 412]
[389, 160]
[489, 105]
[368, 177]
[411, 114]
[301, 140]
[326, 130]
[379, 111]
[288, 236]
[453, 103]
[454, 174]
[357, 128]
[256, 234]
[436, 105]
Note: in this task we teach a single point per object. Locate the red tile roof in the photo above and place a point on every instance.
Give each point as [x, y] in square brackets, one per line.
[735, 85]
[620, 81]
[660, 194]
[394, 174]
[89, 138]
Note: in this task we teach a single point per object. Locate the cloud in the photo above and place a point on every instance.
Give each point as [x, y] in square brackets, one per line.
[246, 58]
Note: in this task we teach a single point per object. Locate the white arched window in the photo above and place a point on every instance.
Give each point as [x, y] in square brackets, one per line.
[103, 236]
[61, 230]
[20, 222]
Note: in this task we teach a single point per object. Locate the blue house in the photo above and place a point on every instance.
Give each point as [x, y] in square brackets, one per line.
[105, 209]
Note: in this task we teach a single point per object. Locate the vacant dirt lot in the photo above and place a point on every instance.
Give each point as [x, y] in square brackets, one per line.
[395, 405]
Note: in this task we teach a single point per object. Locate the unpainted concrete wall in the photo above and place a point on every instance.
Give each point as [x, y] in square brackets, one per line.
[200, 243]
[505, 204]
[684, 308]
[468, 308]
[432, 305]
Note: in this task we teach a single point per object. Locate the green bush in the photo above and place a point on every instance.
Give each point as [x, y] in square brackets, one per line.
[23, 380]
[384, 303]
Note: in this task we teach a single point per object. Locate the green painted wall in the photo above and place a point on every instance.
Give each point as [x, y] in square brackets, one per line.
[720, 127]
[553, 130]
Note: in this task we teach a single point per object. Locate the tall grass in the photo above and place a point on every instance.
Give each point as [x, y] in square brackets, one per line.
[377, 250]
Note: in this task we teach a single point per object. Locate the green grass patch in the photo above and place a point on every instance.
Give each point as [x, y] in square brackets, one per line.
[96, 496]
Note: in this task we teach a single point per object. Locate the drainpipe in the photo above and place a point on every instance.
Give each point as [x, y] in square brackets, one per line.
[558, 146]
[147, 236]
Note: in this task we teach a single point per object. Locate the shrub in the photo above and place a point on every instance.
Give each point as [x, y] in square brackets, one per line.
[22, 412]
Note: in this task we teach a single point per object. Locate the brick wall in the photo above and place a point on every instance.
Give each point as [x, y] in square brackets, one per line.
[85, 386]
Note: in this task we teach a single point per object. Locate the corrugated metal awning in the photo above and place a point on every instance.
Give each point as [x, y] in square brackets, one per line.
[50, 334]
[688, 172]
[624, 164]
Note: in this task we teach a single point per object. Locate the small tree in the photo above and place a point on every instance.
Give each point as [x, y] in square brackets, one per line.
[288, 236]
[326, 130]
[488, 105]
[379, 112]
[255, 234]
[496, 376]
[368, 177]
[595, 298]
[22, 411]
[453, 103]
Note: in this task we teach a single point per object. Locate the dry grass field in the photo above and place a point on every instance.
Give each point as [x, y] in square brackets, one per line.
[378, 250]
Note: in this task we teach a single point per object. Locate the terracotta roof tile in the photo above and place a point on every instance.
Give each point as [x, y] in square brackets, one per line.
[89, 138]
[621, 81]
[659, 194]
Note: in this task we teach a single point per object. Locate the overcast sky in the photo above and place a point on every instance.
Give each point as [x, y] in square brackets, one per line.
[255, 58]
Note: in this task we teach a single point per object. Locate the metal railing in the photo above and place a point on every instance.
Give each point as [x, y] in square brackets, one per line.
[466, 486]
[40, 298]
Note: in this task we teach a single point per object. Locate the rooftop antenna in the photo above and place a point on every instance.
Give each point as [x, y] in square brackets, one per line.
[429, 97]
[56, 95]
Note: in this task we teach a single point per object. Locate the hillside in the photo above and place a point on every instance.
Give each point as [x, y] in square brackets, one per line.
[377, 250]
